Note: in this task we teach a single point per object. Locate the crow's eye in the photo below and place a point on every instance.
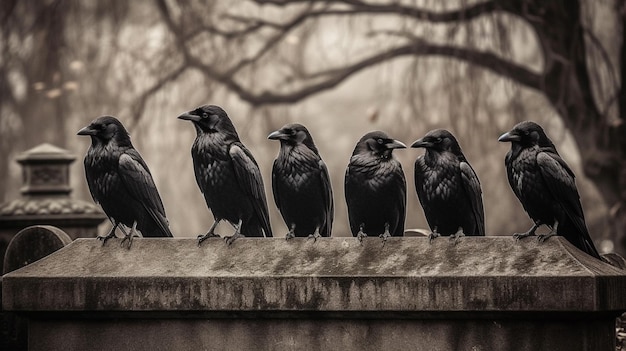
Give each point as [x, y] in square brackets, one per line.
[205, 115]
[438, 140]
[380, 141]
[526, 133]
[291, 132]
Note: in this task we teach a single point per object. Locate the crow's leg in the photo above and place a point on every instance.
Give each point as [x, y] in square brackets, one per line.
[543, 237]
[361, 234]
[385, 234]
[530, 232]
[292, 232]
[129, 236]
[110, 234]
[316, 234]
[210, 233]
[456, 236]
[433, 235]
[231, 239]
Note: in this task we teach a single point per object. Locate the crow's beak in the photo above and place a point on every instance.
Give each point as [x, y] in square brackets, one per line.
[421, 143]
[189, 117]
[86, 131]
[277, 135]
[508, 137]
[395, 144]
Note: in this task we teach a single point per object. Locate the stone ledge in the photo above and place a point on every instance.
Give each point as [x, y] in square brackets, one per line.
[486, 274]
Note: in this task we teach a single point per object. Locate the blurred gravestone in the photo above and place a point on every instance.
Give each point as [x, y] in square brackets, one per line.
[32, 244]
[45, 198]
[28, 246]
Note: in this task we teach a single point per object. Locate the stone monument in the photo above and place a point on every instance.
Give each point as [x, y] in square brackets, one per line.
[45, 198]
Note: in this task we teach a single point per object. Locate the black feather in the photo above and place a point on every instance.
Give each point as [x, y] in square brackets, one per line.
[545, 185]
[375, 187]
[447, 186]
[301, 184]
[227, 173]
[120, 181]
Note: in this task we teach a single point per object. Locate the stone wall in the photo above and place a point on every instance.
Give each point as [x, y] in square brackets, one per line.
[483, 293]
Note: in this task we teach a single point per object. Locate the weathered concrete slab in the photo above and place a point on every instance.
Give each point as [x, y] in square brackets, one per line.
[331, 275]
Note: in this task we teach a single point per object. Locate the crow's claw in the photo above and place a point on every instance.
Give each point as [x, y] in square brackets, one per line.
[543, 237]
[202, 238]
[314, 236]
[530, 232]
[432, 237]
[231, 239]
[384, 236]
[519, 236]
[106, 237]
[456, 236]
[361, 235]
[128, 238]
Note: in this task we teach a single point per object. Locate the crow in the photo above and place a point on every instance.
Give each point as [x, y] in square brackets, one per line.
[545, 186]
[227, 175]
[301, 184]
[120, 181]
[448, 187]
[375, 188]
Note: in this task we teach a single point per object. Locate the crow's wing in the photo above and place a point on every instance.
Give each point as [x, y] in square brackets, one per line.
[348, 185]
[400, 191]
[420, 179]
[560, 181]
[92, 182]
[275, 190]
[327, 195]
[510, 174]
[135, 175]
[251, 182]
[471, 184]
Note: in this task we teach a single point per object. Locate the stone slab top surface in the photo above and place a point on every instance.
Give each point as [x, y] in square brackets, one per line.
[493, 273]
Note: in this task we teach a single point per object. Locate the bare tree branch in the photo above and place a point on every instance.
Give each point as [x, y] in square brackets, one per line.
[466, 13]
[486, 60]
[284, 29]
[335, 76]
[140, 103]
[358, 7]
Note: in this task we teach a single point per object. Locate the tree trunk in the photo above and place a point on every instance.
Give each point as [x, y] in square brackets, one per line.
[569, 88]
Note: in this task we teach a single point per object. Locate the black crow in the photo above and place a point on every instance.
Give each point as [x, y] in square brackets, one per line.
[301, 184]
[227, 175]
[375, 187]
[545, 186]
[120, 181]
[448, 187]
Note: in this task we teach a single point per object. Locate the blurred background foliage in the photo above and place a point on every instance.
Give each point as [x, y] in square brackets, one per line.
[342, 68]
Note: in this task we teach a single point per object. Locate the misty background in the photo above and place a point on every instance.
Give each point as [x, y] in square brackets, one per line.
[341, 68]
